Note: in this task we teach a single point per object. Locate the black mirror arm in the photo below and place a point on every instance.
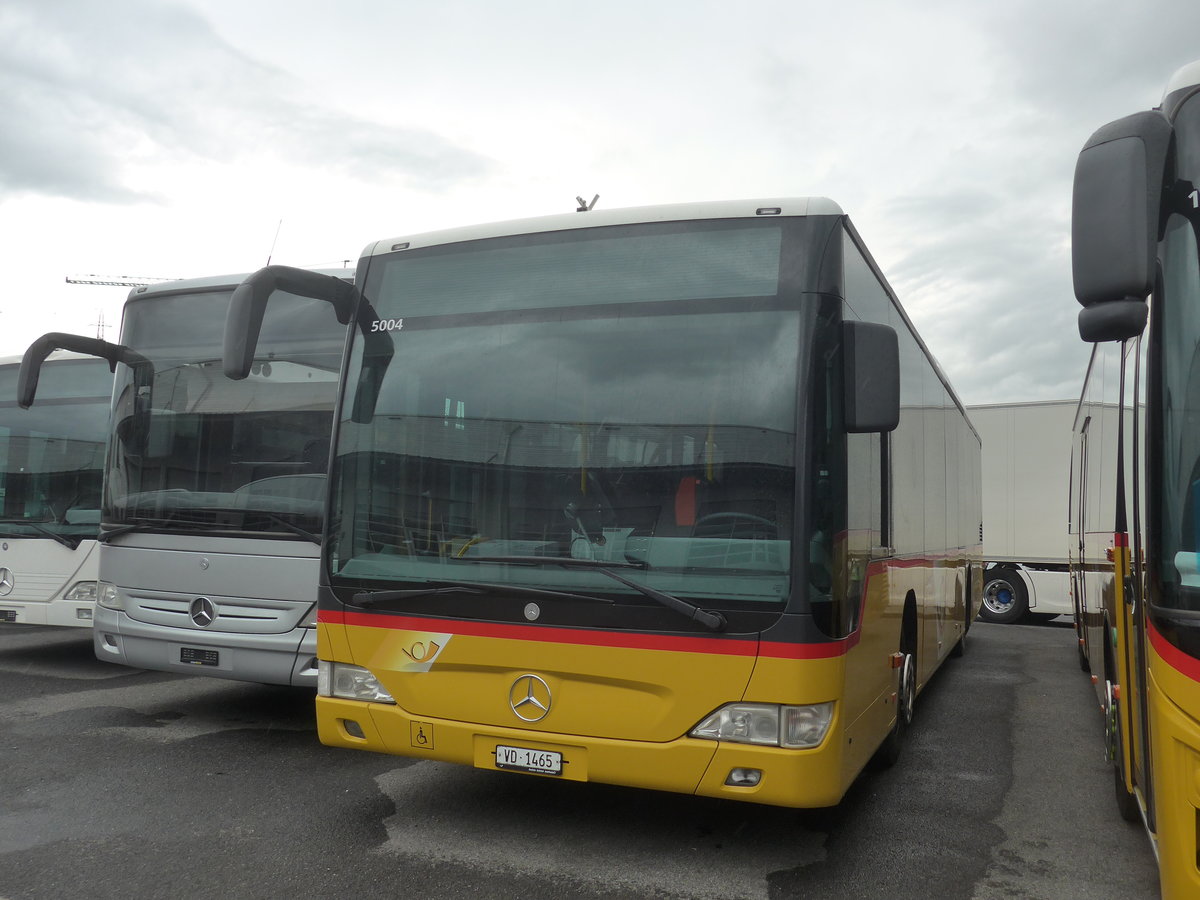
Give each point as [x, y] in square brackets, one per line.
[40, 349]
[248, 305]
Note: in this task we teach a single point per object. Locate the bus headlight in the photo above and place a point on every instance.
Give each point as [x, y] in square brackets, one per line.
[82, 592]
[768, 724]
[108, 596]
[349, 683]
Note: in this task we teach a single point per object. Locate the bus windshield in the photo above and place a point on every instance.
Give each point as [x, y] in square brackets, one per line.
[622, 396]
[193, 450]
[1178, 339]
[52, 455]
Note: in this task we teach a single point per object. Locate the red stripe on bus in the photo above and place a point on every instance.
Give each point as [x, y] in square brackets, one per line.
[1120, 539]
[593, 638]
[1172, 655]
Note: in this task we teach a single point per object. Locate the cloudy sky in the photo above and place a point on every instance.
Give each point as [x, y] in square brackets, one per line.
[177, 138]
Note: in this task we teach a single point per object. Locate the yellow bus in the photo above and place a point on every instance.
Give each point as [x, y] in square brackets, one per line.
[671, 497]
[1136, 576]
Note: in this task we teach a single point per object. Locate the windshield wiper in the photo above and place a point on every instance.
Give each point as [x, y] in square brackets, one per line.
[713, 621]
[442, 586]
[107, 534]
[182, 523]
[295, 529]
[69, 542]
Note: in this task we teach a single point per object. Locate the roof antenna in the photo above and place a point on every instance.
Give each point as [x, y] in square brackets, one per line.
[274, 242]
[586, 207]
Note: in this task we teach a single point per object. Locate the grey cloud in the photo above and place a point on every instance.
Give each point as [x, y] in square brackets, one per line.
[988, 283]
[87, 90]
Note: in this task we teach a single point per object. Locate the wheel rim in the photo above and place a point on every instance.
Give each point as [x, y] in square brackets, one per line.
[908, 690]
[999, 597]
[1111, 723]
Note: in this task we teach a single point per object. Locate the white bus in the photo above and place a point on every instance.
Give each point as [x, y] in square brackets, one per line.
[51, 468]
[214, 490]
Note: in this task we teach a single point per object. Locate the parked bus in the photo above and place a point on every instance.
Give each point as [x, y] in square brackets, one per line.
[671, 497]
[51, 468]
[214, 490]
[1136, 257]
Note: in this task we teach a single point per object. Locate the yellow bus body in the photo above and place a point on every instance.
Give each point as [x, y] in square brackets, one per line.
[624, 703]
[1174, 689]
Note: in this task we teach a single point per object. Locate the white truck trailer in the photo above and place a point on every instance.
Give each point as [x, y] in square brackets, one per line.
[1026, 492]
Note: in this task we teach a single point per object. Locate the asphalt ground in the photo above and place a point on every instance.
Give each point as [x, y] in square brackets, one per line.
[119, 783]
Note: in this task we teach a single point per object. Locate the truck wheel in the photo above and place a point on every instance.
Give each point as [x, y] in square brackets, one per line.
[1005, 599]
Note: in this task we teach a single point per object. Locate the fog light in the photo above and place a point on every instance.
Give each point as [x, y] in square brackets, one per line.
[744, 777]
[85, 614]
[353, 728]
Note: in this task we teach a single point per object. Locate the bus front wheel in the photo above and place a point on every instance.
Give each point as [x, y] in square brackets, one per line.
[906, 699]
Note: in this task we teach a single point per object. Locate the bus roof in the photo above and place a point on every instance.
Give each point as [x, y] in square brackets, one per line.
[209, 282]
[55, 355]
[720, 209]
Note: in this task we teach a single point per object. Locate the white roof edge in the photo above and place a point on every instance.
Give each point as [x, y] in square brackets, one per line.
[1023, 403]
[211, 281]
[55, 355]
[1185, 76]
[715, 209]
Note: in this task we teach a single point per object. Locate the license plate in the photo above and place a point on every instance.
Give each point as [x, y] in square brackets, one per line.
[522, 759]
[197, 657]
[8, 615]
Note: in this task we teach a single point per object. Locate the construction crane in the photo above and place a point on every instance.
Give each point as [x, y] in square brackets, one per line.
[113, 281]
[116, 280]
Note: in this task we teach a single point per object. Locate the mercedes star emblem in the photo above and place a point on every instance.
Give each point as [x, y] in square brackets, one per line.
[529, 698]
[7, 582]
[203, 612]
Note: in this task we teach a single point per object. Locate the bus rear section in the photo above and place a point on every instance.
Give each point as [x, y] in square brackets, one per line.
[671, 498]
[51, 468]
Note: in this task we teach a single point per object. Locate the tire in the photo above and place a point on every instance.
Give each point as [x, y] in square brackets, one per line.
[1005, 599]
[961, 647]
[1127, 802]
[906, 696]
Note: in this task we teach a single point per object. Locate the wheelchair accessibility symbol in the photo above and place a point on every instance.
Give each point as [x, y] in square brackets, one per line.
[421, 735]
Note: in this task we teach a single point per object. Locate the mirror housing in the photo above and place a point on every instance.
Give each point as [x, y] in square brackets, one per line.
[871, 355]
[248, 305]
[1117, 320]
[1115, 219]
[35, 355]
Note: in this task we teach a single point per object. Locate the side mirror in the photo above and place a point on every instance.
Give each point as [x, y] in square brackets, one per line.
[1115, 215]
[35, 355]
[871, 354]
[248, 305]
